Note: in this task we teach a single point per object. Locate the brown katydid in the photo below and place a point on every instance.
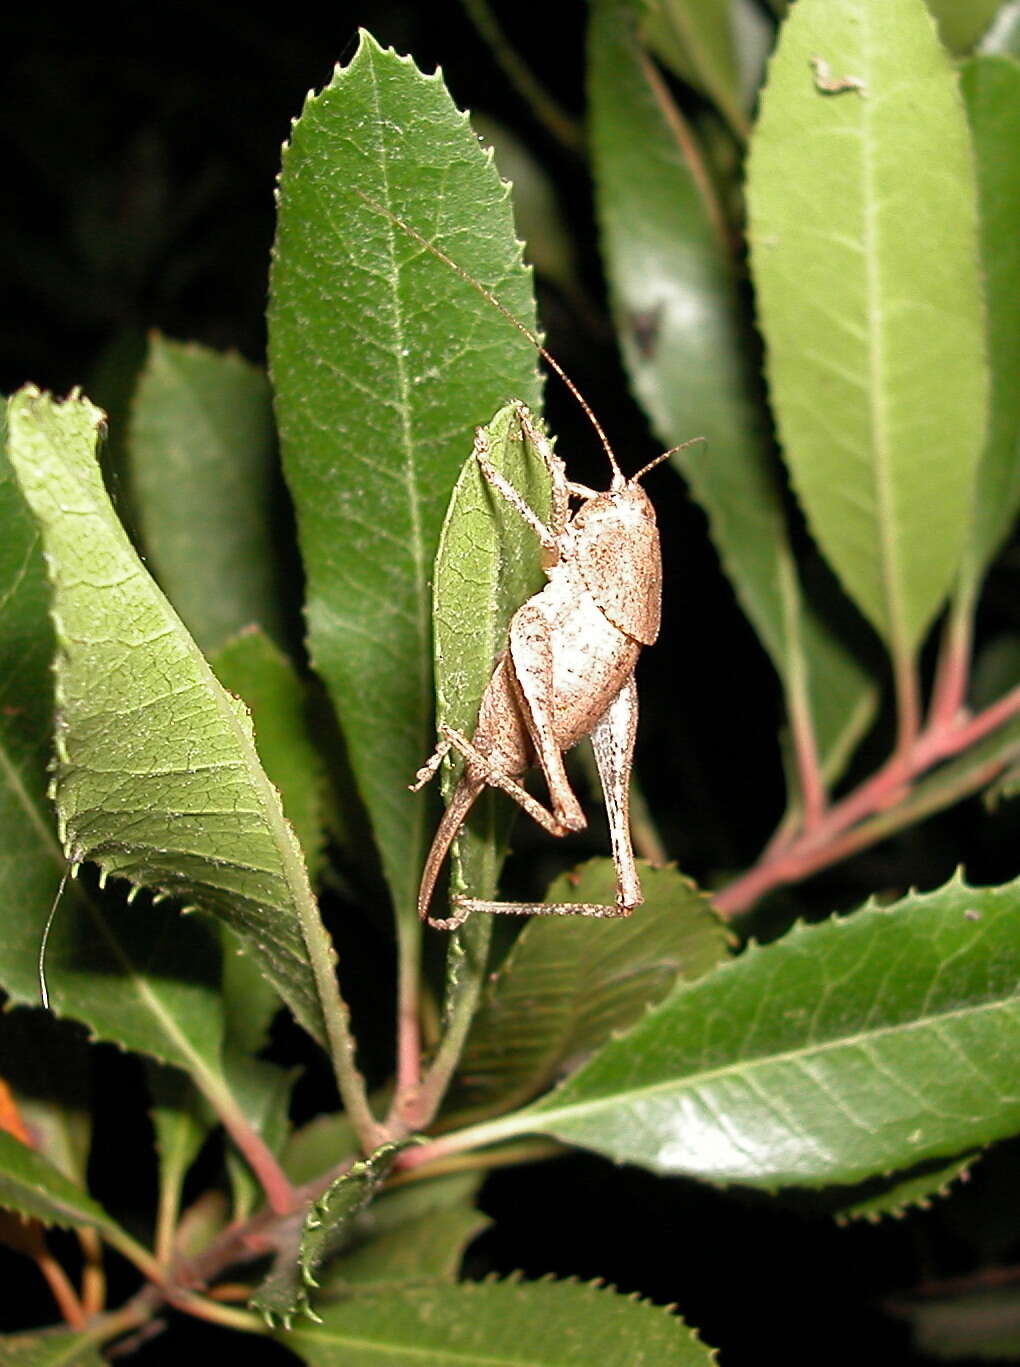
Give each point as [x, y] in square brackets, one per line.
[568, 669]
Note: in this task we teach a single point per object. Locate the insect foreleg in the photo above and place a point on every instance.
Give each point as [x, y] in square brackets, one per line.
[483, 767]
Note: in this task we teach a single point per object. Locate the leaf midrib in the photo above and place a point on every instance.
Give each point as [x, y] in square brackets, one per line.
[417, 547]
[698, 1080]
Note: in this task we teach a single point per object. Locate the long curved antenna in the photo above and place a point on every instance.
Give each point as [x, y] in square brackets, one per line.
[490, 298]
[691, 441]
[44, 991]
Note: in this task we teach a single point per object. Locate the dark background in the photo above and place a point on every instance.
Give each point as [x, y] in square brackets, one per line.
[140, 146]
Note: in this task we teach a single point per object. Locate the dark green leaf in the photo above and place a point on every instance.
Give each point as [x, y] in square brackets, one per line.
[31, 1185]
[844, 1051]
[674, 298]
[864, 252]
[429, 1248]
[204, 480]
[181, 1120]
[383, 360]
[157, 778]
[569, 984]
[513, 1323]
[318, 1146]
[46, 1064]
[50, 1348]
[328, 1226]
[254, 668]
[896, 1195]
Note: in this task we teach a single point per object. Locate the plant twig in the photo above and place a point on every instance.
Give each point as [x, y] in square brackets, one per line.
[881, 804]
[564, 129]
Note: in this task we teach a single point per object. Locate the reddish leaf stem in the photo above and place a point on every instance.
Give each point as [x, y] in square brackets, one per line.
[842, 830]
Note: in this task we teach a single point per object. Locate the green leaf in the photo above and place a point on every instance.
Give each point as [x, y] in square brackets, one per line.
[991, 90]
[254, 668]
[1003, 38]
[864, 254]
[318, 1146]
[674, 297]
[328, 1226]
[383, 360]
[148, 983]
[896, 1195]
[568, 985]
[50, 1348]
[839, 1053]
[182, 1121]
[157, 778]
[488, 563]
[532, 1324]
[412, 1233]
[962, 22]
[696, 39]
[262, 1090]
[205, 485]
[31, 1185]
[46, 1064]
[427, 1249]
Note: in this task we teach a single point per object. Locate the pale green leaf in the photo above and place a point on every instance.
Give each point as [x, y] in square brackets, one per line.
[569, 984]
[991, 89]
[148, 982]
[864, 253]
[1003, 37]
[510, 1323]
[487, 565]
[962, 22]
[204, 480]
[383, 360]
[842, 1052]
[157, 779]
[674, 296]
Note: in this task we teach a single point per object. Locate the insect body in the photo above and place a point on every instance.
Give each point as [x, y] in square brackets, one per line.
[568, 669]
[567, 673]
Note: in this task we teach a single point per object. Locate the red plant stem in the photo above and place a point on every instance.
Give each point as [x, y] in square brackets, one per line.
[279, 1192]
[93, 1277]
[809, 774]
[953, 669]
[839, 834]
[56, 1279]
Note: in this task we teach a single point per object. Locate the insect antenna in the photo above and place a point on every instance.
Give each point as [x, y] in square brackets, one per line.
[691, 441]
[490, 298]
